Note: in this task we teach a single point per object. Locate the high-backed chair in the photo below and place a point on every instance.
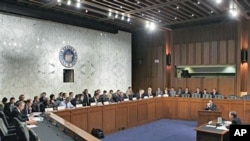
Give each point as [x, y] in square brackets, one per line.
[233, 97]
[22, 130]
[219, 96]
[196, 95]
[5, 135]
[4, 118]
[33, 135]
[185, 95]
[246, 97]
[207, 96]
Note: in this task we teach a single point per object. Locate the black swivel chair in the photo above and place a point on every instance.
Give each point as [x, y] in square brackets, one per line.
[6, 135]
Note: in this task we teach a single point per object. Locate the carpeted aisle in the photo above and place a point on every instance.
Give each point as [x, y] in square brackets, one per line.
[161, 130]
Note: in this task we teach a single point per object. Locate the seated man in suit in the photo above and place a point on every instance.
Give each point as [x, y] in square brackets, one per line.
[28, 107]
[210, 106]
[16, 112]
[214, 93]
[76, 100]
[140, 95]
[96, 98]
[148, 93]
[66, 103]
[9, 107]
[234, 118]
[158, 92]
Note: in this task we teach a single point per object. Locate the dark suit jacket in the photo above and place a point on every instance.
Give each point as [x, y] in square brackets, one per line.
[236, 121]
[213, 95]
[6, 109]
[74, 102]
[26, 110]
[86, 99]
[211, 108]
[19, 115]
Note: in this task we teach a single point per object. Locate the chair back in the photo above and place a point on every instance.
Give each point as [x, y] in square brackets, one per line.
[185, 95]
[3, 128]
[3, 117]
[232, 97]
[21, 130]
[207, 96]
[246, 97]
[33, 135]
[219, 96]
[196, 95]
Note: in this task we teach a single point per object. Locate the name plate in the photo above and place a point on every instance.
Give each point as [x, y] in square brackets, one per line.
[106, 103]
[61, 107]
[78, 105]
[165, 95]
[145, 97]
[150, 96]
[48, 109]
[99, 103]
[126, 99]
[134, 98]
[92, 104]
[158, 95]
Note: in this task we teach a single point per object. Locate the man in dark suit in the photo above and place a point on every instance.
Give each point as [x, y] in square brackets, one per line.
[28, 107]
[211, 106]
[214, 93]
[9, 107]
[235, 119]
[86, 97]
[16, 112]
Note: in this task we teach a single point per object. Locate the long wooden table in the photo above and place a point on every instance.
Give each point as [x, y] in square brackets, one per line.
[115, 117]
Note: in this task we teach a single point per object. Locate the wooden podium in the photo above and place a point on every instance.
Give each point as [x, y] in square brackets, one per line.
[204, 116]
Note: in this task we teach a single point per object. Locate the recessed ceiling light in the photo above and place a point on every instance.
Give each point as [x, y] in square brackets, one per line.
[177, 7]
[198, 2]
[142, 14]
[59, 0]
[159, 20]
[86, 11]
[218, 1]
[192, 15]
[211, 11]
[175, 18]
[69, 2]
[121, 7]
[138, 2]
[78, 4]
[159, 10]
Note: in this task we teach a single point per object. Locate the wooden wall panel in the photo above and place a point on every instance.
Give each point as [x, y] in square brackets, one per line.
[195, 106]
[247, 112]
[184, 54]
[191, 54]
[170, 108]
[226, 86]
[206, 53]
[159, 113]
[214, 53]
[183, 111]
[142, 110]
[132, 114]
[177, 56]
[151, 109]
[210, 83]
[193, 83]
[94, 118]
[180, 82]
[223, 106]
[222, 52]
[65, 114]
[79, 115]
[198, 52]
[122, 115]
[231, 52]
[109, 116]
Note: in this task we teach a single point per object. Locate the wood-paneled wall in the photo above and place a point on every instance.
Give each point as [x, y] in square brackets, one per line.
[214, 44]
[146, 48]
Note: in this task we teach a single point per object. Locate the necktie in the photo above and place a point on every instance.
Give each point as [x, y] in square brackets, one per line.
[66, 105]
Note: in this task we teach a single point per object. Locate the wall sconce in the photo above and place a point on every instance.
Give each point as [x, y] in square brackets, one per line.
[168, 59]
[243, 56]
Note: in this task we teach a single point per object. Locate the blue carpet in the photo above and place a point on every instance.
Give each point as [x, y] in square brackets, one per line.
[161, 130]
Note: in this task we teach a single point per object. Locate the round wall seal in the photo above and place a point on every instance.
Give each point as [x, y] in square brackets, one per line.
[68, 56]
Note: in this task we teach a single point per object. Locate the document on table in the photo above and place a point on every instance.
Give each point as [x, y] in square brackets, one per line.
[31, 126]
[222, 128]
[210, 126]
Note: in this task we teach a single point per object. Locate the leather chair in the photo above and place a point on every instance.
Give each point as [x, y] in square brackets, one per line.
[196, 95]
[207, 96]
[185, 95]
[6, 135]
[4, 118]
[219, 96]
[33, 135]
[21, 130]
